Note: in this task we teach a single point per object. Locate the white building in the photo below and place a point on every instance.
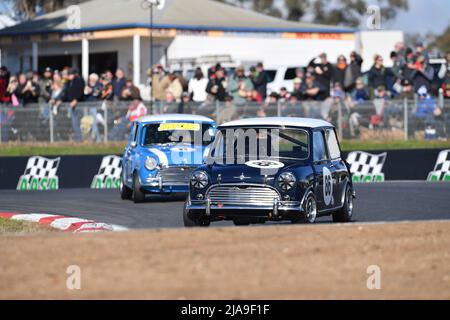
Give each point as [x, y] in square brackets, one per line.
[106, 34]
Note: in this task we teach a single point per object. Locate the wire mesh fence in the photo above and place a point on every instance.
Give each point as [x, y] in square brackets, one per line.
[103, 121]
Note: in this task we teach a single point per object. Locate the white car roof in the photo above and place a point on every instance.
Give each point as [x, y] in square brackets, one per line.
[173, 117]
[278, 121]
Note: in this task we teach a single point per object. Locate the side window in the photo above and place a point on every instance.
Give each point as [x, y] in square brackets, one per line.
[290, 74]
[320, 150]
[333, 145]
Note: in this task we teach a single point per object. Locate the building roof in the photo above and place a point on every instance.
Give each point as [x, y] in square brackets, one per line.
[178, 14]
[278, 122]
[174, 117]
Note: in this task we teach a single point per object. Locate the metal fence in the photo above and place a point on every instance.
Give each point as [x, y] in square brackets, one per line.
[107, 121]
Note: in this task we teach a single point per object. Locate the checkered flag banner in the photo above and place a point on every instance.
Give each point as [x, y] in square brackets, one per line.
[108, 176]
[363, 164]
[40, 174]
[441, 170]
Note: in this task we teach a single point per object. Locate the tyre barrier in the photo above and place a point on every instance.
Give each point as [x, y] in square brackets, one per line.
[103, 172]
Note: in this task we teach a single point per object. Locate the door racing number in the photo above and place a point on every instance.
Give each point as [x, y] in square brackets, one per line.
[327, 187]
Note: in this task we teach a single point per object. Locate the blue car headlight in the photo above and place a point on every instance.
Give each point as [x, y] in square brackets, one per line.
[150, 164]
[286, 181]
[199, 180]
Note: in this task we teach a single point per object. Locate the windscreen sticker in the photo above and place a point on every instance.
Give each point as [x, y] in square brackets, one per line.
[179, 126]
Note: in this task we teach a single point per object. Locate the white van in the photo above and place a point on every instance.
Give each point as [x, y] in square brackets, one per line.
[281, 76]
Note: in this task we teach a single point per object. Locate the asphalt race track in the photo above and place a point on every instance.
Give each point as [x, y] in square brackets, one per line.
[389, 201]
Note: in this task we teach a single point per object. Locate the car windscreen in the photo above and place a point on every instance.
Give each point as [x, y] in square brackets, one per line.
[239, 145]
[178, 132]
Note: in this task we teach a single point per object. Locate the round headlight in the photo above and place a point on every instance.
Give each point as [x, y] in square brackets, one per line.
[199, 180]
[150, 163]
[286, 181]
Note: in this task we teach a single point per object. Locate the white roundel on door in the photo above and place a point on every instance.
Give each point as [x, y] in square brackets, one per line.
[327, 186]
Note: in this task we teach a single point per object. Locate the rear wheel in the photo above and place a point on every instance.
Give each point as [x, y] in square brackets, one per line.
[346, 213]
[138, 194]
[125, 192]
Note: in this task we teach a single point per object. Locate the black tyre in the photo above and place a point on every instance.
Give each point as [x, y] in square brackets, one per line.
[125, 192]
[190, 222]
[138, 193]
[309, 209]
[346, 213]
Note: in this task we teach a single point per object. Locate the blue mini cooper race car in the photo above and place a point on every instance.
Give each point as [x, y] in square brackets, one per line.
[271, 169]
[162, 152]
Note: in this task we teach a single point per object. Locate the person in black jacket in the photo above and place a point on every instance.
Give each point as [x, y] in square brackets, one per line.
[259, 79]
[217, 85]
[323, 72]
[378, 74]
[74, 91]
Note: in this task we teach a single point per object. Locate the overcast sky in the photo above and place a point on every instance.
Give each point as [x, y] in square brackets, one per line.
[423, 16]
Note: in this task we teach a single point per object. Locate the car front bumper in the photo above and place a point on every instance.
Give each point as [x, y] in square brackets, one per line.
[277, 211]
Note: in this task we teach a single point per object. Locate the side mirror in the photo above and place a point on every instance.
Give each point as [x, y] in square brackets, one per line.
[133, 144]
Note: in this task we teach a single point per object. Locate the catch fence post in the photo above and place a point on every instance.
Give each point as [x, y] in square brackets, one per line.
[105, 127]
[405, 117]
[218, 111]
[51, 125]
[279, 109]
[1, 119]
[340, 119]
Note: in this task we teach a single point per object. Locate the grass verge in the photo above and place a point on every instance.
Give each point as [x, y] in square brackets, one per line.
[71, 148]
[9, 226]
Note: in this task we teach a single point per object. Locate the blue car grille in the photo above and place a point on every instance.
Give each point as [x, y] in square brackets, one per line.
[245, 196]
[176, 176]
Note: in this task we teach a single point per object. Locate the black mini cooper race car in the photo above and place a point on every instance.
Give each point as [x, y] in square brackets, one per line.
[271, 169]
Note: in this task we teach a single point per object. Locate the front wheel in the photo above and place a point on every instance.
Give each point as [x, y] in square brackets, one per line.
[190, 222]
[125, 192]
[138, 194]
[345, 214]
[310, 209]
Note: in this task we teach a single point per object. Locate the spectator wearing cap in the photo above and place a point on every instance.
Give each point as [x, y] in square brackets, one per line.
[74, 93]
[428, 116]
[217, 85]
[323, 73]
[239, 86]
[260, 80]
[45, 83]
[197, 86]
[404, 89]
[423, 74]
[312, 92]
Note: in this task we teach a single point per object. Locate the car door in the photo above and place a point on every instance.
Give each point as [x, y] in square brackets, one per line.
[341, 174]
[325, 173]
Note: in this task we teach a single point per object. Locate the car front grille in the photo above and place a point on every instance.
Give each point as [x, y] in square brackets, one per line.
[245, 195]
[176, 176]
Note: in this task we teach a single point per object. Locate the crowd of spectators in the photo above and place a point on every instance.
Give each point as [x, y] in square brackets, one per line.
[316, 90]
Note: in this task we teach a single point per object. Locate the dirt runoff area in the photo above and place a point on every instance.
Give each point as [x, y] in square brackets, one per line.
[279, 262]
